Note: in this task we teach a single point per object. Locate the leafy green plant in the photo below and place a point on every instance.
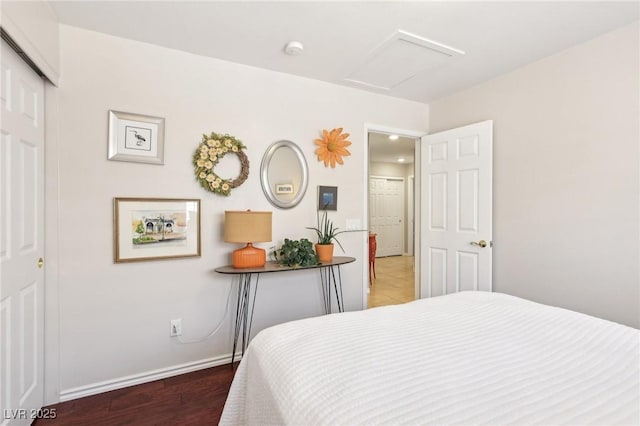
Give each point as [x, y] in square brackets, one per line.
[326, 232]
[296, 253]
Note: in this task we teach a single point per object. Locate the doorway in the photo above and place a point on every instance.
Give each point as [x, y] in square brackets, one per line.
[391, 200]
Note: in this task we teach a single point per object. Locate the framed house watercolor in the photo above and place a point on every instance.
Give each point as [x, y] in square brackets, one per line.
[155, 228]
[136, 138]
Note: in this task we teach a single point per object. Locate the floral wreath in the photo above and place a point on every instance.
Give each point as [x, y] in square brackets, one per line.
[212, 148]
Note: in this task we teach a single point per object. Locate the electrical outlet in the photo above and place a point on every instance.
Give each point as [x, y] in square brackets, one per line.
[176, 327]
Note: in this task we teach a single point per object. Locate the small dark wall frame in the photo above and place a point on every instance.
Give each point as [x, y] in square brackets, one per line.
[327, 198]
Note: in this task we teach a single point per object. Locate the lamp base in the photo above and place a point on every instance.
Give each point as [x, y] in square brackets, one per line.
[249, 257]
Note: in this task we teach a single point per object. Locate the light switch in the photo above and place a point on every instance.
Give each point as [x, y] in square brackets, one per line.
[353, 224]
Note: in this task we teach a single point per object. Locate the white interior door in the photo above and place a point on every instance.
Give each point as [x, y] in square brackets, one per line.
[386, 209]
[21, 239]
[456, 218]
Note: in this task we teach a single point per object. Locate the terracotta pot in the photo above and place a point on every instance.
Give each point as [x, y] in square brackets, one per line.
[325, 252]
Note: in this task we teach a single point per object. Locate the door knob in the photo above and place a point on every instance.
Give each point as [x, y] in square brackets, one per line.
[481, 243]
[40, 262]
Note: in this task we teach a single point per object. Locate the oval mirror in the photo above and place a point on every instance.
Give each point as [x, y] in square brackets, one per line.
[284, 174]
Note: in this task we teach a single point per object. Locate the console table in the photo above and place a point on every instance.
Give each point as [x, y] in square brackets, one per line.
[329, 274]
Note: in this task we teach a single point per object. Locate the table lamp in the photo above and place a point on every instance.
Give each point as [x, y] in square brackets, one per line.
[247, 227]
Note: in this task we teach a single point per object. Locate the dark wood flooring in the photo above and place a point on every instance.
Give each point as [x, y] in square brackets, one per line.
[190, 399]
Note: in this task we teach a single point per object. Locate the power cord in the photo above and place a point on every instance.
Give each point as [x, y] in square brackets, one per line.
[226, 311]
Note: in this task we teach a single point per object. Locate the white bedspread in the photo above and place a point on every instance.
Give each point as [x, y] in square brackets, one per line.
[465, 358]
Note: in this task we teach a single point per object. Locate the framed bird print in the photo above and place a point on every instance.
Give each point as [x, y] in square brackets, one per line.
[136, 138]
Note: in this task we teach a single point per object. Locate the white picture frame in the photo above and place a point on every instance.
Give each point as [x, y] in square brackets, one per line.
[284, 188]
[136, 138]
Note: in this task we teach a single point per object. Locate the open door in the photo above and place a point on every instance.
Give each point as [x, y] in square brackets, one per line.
[456, 214]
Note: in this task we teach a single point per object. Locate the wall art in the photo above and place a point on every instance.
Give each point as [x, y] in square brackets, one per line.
[209, 153]
[155, 228]
[332, 146]
[327, 198]
[284, 188]
[136, 138]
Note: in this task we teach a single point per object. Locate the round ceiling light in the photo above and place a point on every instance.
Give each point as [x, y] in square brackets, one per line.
[294, 48]
[393, 137]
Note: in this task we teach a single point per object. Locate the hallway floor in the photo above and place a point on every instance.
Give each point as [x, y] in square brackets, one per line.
[394, 283]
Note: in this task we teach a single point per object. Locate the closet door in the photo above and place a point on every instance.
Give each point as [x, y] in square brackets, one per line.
[21, 239]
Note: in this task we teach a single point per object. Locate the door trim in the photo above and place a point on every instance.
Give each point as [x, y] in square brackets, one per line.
[411, 183]
[412, 133]
[51, 248]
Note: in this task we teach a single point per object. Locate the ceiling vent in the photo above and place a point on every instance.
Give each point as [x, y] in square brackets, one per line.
[399, 58]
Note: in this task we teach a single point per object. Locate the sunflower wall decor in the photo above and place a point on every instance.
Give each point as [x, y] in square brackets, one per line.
[332, 146]
[209, 153]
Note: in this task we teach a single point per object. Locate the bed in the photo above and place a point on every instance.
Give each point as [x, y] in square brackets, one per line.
[464, 358]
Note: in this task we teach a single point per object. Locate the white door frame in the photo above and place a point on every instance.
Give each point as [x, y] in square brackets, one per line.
[51, 248]
[410, 215]
[412, 133]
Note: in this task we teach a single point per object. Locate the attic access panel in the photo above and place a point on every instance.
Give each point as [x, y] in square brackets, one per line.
[399, 58]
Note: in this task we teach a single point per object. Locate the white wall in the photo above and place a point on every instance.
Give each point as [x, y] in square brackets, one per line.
[566, 175]
[114, 319]
[34, 27]
[391, 169]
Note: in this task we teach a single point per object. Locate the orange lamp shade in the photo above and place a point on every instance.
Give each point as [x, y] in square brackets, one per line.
[247, 227]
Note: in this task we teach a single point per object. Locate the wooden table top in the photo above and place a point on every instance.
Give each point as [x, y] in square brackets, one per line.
[272, 266]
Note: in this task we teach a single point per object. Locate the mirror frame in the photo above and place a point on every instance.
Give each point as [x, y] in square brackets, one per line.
[264, 174]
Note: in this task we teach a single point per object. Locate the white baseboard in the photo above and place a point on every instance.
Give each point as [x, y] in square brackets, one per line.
[149, 376]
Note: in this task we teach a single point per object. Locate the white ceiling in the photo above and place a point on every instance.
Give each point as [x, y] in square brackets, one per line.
[384, 150]
[339, 37]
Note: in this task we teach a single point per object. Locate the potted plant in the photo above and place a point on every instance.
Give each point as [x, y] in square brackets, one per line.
[296, 253]
[327, 233]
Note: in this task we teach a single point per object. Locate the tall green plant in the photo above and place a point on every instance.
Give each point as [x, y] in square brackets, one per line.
[326, 232]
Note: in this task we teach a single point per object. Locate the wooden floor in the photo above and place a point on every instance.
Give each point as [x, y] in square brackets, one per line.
[394, 281]
[189, 399]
